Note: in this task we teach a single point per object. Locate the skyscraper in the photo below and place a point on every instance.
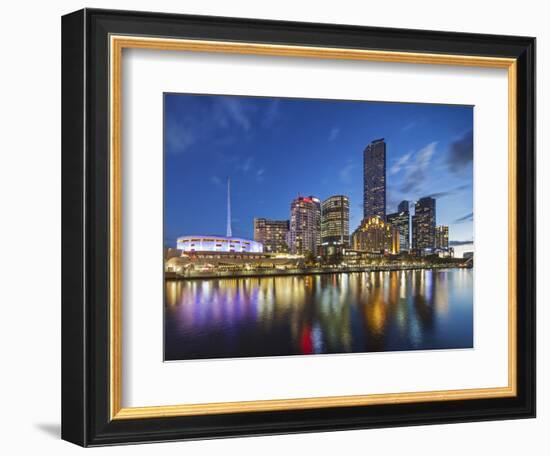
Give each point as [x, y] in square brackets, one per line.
[272, 234]
[442, 237]
[401, 221]
[374, 179]
[335, 220]
[304, 235]
[423, 222]
[403, 206]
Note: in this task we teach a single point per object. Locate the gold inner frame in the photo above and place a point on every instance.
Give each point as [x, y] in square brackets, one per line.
[117, 44]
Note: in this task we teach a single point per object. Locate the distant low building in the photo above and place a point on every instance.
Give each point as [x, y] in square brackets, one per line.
[449, 252]
[272, 234]
[468, 255]
[352, 258]
[170, 252]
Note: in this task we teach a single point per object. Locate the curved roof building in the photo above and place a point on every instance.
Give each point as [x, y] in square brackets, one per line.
[218, 244]
[213, 243]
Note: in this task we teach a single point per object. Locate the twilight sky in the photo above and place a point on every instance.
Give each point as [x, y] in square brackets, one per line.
[275, 149]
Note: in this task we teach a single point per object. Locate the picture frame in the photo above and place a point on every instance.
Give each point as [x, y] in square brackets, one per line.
[93, 42]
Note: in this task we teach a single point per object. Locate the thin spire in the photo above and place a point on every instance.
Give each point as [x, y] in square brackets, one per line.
[228, 208]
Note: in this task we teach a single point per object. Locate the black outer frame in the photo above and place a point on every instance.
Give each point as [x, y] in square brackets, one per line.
[85, 227]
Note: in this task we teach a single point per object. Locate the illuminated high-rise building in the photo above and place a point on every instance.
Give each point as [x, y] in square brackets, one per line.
[374, 179]
[335, 220]
[304, 235]
[442, 237]
[401, 221]
[376, 236]
[272, 234]
[423, 224]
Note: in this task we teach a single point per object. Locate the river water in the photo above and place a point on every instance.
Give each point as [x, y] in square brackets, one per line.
[321, 313]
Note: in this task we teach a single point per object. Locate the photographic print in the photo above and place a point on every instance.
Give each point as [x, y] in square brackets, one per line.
[314, 226]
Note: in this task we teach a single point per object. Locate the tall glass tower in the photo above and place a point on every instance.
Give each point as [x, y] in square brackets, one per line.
[374, 180]
[335, 220]
[424, 224]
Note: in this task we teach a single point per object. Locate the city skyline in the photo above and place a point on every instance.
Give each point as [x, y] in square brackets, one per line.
[232, 145]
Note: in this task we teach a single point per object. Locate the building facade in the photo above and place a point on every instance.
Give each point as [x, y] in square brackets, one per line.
[442, 237]
[423, 223]
[272, 234]
[204, 263]
[374, 180]
[374, 235]
[335, 220]
[401, 221]
[198, 243]
[304, 235]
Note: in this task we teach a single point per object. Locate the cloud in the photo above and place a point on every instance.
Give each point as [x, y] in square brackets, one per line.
[393, 199]
[461, 152]
[219, 120]
[408, 126]
[271, 113]
[455, 243]
[452, 191]
[236, 111]
[334, 133]
[246, 165]
[345, 172]
[215, 180]
[214, 119]
[179, 138]
[416, 170]
[399, 164]
[465, 218]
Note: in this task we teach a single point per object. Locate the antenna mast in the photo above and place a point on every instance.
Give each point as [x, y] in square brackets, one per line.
[228, 208]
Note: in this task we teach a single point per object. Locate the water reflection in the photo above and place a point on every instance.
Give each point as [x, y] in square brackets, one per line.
[327, 313]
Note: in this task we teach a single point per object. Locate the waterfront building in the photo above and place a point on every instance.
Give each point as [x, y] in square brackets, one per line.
[374, 235]
[357, 258]
[272, 234]
[335, 220]
[190, 264]
[304, 235]
[170, 252]
[445, 253]
[214, 243]
[401, 221]
[208, 243]
[423, 225]
[442, 237]
[374, 180]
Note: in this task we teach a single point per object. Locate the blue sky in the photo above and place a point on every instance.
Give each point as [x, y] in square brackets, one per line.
[274, 149]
